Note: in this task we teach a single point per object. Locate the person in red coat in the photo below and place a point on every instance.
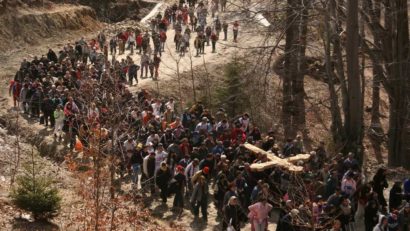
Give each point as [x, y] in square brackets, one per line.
[139, 42]
[238, 135]
[214, 38]
[14, 89]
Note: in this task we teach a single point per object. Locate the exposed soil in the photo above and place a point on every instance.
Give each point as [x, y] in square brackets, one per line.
[30, 26]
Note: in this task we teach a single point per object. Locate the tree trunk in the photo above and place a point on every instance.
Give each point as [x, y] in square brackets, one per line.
[337, 125]
[287, 100]
[354, 122]
[298, 81]
[399, 79]
[293, 104]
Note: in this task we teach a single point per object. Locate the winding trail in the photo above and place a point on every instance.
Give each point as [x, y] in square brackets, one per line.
[173, 64]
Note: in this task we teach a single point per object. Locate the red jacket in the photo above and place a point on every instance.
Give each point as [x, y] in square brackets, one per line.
[163, 36]
[185, 148]
[214, 38]
[139, 40]
[15, 88]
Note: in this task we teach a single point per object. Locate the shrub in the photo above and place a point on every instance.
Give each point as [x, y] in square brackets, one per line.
[35, 193]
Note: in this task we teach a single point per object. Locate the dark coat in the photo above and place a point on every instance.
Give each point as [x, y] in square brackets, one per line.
[231, 215]
[163, 178]
[47, 106]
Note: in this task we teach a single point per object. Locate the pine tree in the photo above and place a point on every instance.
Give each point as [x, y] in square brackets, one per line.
[35, 193]
[231, 93]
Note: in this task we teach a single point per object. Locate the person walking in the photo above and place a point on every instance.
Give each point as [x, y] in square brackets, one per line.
[163, 39]
[214, 38]
[190, 171]
[180, 180]
[101, 39]
[218, 26]
[208, 33]
[157, 61]
[132, 72]
[197, 45]
[151, 67]
[225, 29]
[121, 43]
[199, 198]
[148, 166]
[59, 121]
[47, 107]
[138, 41]
[136, 162]
[131, 42]
[113, 45]
[235, 31]
[223, 5]
[163, 176]
[379, 184]
[231, 215]
[15, 90]
[144, 65]
[259, 213]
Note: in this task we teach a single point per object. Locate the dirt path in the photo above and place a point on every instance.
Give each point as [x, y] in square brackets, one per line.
[172, 63]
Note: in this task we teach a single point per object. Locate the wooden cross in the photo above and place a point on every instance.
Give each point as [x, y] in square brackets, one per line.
[275, 161]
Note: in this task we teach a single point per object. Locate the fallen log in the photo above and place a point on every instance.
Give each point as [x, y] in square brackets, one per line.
[274, 161]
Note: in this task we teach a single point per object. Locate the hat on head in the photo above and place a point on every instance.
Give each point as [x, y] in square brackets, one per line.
[206, 170]
[180, 168]
[294, 212]
[232, 198]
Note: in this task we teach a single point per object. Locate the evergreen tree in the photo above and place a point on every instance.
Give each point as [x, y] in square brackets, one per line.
[35, 193]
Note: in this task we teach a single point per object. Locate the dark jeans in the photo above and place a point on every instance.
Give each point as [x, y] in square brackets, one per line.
[163, 194]
[213, 46]
[144, 66]
[132, 77]
[157, 50]
[48, 116]
[204, 208]
[113, 50]
[179, 199]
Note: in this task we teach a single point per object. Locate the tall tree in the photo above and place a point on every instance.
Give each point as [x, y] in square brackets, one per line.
[354, 115]
[347, 134]
[391, 60]
[293, 104]
[399, 78]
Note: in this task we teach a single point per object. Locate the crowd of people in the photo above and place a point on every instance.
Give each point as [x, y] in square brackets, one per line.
[195, 155]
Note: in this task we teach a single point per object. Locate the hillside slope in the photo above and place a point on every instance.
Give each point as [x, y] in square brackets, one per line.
[29, 26]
